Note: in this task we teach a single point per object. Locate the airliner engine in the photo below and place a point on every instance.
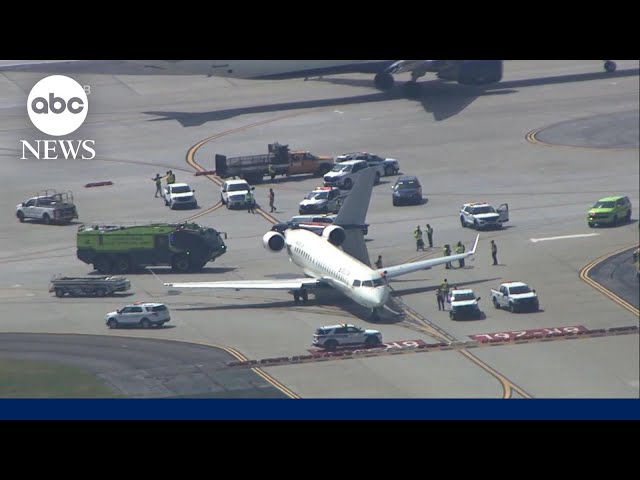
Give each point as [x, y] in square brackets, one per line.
[335, 234]
[273, 241]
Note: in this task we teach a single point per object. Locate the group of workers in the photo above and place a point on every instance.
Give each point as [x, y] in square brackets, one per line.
[443, 294]
[249, 197]
[417, 234]
[446, 250]
[171, 178]
[250, 200]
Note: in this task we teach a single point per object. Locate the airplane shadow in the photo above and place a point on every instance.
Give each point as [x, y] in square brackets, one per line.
[432, 288]
[441, 99]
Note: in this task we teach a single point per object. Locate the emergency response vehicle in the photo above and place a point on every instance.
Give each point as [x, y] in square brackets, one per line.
[322, 200]
[333, 336]
[482, 215]
[121, 249]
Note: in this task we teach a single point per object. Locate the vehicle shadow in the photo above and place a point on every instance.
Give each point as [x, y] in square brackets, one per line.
[138, 327]
[168, 271]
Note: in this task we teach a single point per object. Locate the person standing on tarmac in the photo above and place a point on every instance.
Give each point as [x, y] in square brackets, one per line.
[417, 234]
[460, 249]
[272, 199]
[440, 298]
[250, 200]
[272, 172]
[444, 288]
[379, 262]
[494, 252]
[429, 231]
[447, 251]
[158, 180]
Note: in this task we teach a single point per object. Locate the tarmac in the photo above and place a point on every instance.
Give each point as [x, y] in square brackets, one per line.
[464, 144]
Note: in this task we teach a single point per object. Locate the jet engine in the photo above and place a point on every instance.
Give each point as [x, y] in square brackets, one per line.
[273, 241]
[474, 72]
[335, 234]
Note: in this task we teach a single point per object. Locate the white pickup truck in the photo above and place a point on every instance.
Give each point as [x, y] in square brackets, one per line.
[515, 296]
[179, 195]
[48, 206]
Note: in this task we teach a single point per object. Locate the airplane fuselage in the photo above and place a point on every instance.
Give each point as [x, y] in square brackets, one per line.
[320, 259]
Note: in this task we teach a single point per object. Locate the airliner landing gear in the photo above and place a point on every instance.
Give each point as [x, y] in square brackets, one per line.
[610, 66]
[383, 81]
[412, 89]
[374, 314]
[301, 293]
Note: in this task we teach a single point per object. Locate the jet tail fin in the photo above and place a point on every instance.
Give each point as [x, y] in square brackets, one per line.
[353, 214]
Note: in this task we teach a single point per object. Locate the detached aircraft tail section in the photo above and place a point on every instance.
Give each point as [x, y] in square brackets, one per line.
[353, 214]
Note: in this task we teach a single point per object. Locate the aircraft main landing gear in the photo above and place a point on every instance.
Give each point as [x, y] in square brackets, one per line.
[301, 293]
[610, 66]
[383, 81]
[412, 89]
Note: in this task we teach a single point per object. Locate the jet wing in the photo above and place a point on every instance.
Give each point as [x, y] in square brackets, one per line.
[288, 284]
[398, 270]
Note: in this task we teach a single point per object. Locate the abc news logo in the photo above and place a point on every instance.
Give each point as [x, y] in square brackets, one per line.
[57, 106]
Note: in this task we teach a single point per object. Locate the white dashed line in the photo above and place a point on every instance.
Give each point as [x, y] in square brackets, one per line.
[535, 240]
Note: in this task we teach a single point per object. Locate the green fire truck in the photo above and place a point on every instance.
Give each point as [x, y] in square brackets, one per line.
[120, 249]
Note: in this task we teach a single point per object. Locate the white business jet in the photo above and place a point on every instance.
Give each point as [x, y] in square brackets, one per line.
[337, 259]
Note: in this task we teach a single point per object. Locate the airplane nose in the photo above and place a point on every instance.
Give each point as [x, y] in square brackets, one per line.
[381, 295]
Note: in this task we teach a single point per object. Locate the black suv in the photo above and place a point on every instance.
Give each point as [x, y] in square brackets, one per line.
[407, 189]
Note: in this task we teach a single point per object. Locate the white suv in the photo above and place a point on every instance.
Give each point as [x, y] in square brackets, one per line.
[343, 175]
[139, 314]
[233, 193]
[482, 215]
[333, 336]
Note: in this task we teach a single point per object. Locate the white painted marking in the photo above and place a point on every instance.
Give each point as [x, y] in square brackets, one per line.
[534, 240]
[17, 285]
[338, 111]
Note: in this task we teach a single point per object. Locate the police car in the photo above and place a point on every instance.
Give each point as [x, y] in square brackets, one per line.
[139, 314]
[333, 336]
[322, 200]
[482, 215]
[315, 223]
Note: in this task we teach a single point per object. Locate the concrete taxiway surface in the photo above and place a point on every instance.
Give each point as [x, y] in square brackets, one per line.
[465, 144]
[141, 368]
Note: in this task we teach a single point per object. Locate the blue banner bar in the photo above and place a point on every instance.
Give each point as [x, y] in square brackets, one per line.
[317, 409]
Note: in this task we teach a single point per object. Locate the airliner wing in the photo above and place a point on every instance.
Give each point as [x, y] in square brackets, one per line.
[405, 268]
[288, 284]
